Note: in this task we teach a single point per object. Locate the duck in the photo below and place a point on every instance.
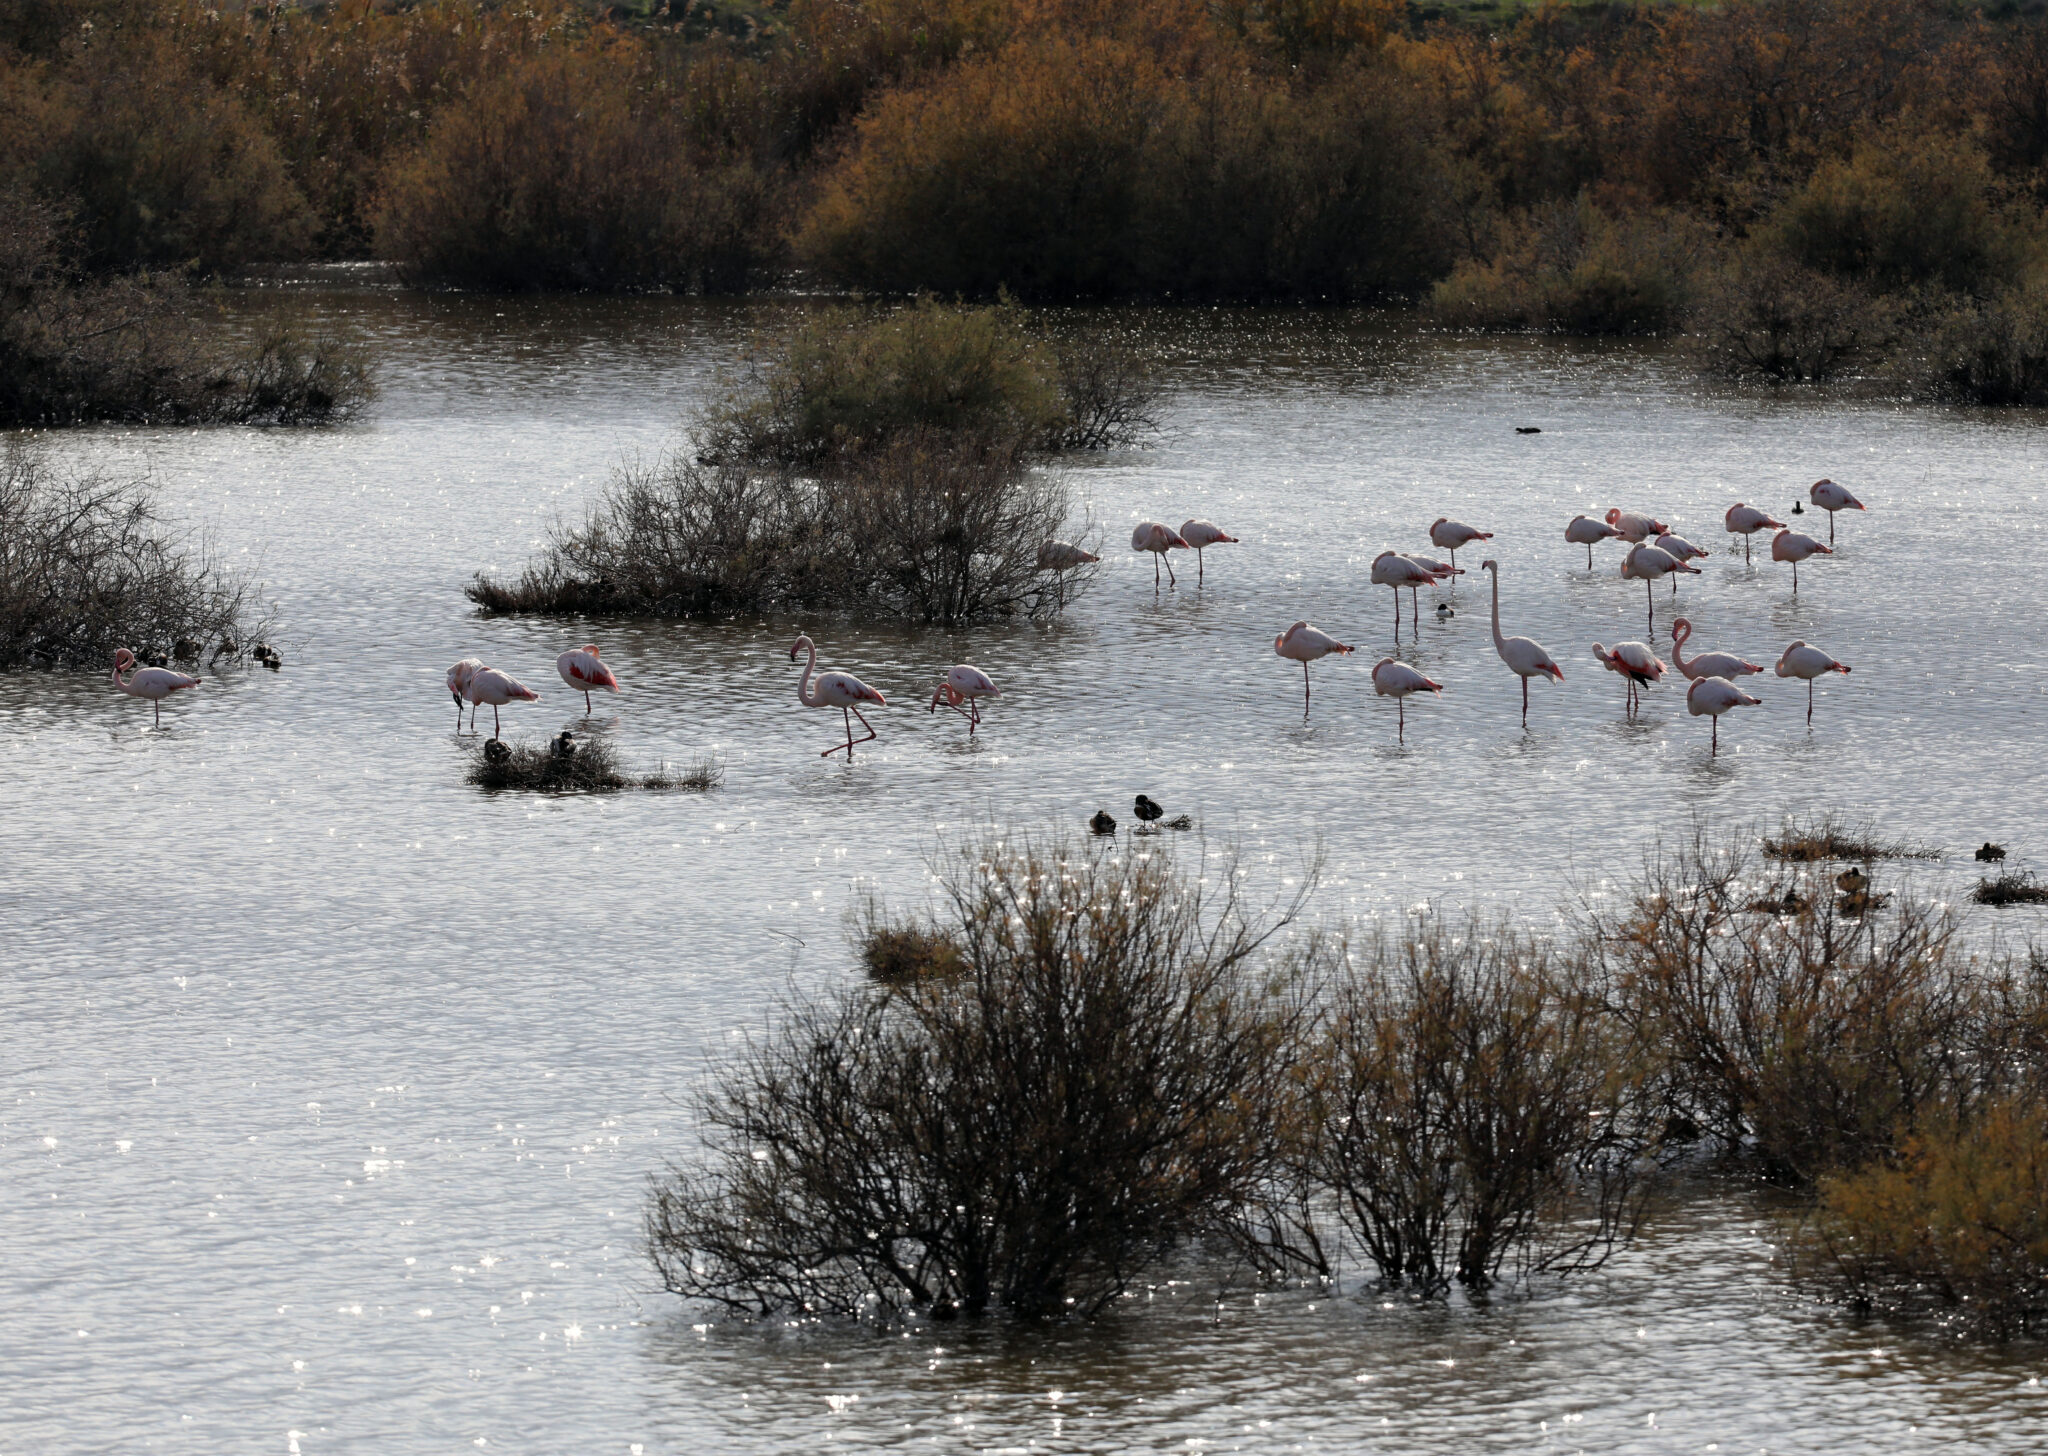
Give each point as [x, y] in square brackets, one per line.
[1991, 853]
[1852, 881]
[1444, 612]
[564, 746]
[1146, 810]
[1798, 509]
[496, 750]
[1102, 823]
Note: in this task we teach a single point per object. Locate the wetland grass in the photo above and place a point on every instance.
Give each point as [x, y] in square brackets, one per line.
[568, 764]
[1831, 837]
[2015, 887]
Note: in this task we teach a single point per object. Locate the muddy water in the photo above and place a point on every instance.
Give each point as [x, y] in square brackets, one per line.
[331, 1084]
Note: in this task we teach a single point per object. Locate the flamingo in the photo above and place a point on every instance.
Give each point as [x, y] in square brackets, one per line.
[1638, 666]
[1061, 557]
[1202, 535]
[965, 684]
[1707, 664]
[154, 683]
[1713, 696]
[839, 690]
[1448, 535]
[1390, 568]
[1808, 662]
[1524, 656]
[581, 670]
[1396, 680]
[1441, 570]
[458, 685]
[1304, 644]
[1584, 531]
[1831, 498]
[1683, 549]
[488, 685]
[1648, 563]
[1747, 521]
[1633, 527]
[1794, 547]
[1158, 539]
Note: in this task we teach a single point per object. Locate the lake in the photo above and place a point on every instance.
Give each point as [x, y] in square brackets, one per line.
[333, 1084]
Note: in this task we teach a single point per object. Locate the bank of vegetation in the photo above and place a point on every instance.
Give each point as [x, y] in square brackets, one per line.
[1803, 189]
[1079, 1069]
[892, 460]
[89, 564]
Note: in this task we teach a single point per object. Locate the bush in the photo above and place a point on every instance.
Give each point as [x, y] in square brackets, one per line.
[1471, 1111]
[1957, 1222]
[1992, 350]
[1832, 837]
[1572, 268]
[1797, 1031]
[1765, 317]
[2015, 888]
[1095, 1088]
[564, 170]
[87, 565]
[76, 349]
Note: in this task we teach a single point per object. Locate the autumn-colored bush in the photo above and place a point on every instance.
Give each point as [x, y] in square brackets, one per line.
[1762, 316]
[1573, 268]
[566, 171]
[1980, 350]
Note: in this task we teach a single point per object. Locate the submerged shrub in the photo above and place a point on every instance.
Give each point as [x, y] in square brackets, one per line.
[87, 565]
[1472, 1111]
[1572, 268]
[1094, 1088]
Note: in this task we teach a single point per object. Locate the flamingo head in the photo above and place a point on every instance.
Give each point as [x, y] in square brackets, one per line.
[123, 659]
[1681, 628]
[1613, 515]
[1490, 565]
[590, 647]
[797, 646]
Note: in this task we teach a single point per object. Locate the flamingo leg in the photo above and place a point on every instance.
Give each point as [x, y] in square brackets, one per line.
[1745, 548]
[1155, 571]
[1589, 556]
[1525, 702]
[1171, 579]
[1401, 719]
[1304, 690]
[1831, 528]
[973, 716]
[1795, 578]
[587, 710]
[1809, 702]
[495, 730]
[159, 708]
[1397, 616]
[1650, 603]
[1715, 752]
[1200, 566]
[1414, 606]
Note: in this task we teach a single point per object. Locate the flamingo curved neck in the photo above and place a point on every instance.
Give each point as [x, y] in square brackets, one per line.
[1681, 632]
[803, 687]
[1500, 643]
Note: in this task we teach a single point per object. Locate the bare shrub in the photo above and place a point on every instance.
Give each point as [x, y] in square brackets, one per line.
[562, 765]
[1112, 395]
[1797, 1031]
[88, 565]
[1470, 1113]
[1831, 836]
[1766, 317]
[1096, 1087]
[700, 775]
[2016, 887]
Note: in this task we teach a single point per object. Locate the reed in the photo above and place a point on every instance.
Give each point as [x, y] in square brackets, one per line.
[2017, 887]
[1834, 837]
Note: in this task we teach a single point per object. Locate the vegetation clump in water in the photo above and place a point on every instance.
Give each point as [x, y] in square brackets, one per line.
[568, 764]
[87, 565]
[2016, 887]
[887, 460]
[1831, 837]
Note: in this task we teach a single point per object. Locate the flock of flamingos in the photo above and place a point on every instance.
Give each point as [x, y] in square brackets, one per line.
[1654, 554]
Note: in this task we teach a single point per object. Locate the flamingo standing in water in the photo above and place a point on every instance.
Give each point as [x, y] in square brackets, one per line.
[1808, 662]
[1061, 557]
[1448, 535]
[1638, 666]
[965, 684]
[1584, 531]
[1396, 680]
[1831, 498]
[1795, 547]
[153, 683]
[1202, 535]
[1390, 568]
[1746, 521]
[1524, 656]
[1646, 564]
[581, 670]
[1158, 539]
[1707, 664]
[1633, 527]
[1305, 644]
[839, 690]
[1681, 548]
[1713, 696]
[488, 685]
[458, 688]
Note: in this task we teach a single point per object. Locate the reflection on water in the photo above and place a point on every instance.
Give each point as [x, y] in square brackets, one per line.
[332, 1083]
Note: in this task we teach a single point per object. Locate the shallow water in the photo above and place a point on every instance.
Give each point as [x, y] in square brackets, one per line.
[331, 1084]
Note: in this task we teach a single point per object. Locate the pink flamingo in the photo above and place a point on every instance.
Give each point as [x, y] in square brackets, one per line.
[1524, 656]
[154, 683]
[1746, 521]
[488, 685]
[1390, 568]
[1713, 696]
[1707, 664]
[1585, 531]
[965, 684]
[1647, 564]
[1061, 557]
[581, 670]
[1158, 539]
[1794, 547]
[1638, 666]
[1633, 527]
[1396, 680]
[1305, 644]
[458, 686]
[1808, 662]
[1448, 535]
[1831, 498]
[839, 690]
[1202, 535]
